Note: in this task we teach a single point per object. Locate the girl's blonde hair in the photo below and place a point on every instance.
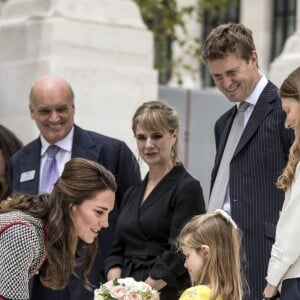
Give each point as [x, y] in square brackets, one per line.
[222, 270]
[290, 88]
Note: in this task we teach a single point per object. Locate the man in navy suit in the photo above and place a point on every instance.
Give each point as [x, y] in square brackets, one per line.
[250, 195]
[52, 108]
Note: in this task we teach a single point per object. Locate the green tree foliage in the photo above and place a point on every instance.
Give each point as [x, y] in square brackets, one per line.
[164, 16]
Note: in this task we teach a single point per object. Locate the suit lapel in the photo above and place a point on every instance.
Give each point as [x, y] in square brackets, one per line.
[84, 146]
[31, 162]
[224, 136]
[164, 186]
[262, 108]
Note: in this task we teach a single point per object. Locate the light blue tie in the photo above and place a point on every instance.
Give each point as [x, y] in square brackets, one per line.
[50, 171]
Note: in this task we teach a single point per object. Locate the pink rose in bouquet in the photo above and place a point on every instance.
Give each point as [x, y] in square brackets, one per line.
[125, 289]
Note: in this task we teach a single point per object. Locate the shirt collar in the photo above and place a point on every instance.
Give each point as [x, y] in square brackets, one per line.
[65, 143]
[253, 98]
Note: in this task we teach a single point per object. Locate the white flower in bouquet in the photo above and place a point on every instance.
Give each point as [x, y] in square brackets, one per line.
[125, 289]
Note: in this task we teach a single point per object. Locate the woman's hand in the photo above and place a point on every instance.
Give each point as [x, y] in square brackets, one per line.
[157, 284]
[114, 273]
[270, 291]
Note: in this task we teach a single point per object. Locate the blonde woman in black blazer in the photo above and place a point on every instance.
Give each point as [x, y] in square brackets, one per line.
[154, 211]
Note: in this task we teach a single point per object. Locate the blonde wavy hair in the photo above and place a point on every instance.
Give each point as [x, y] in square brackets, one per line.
[222, 270]
[290, 88]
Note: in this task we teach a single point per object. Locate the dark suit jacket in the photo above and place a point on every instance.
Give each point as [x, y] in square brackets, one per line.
[111, 153]
[259, 159]
[145, 236]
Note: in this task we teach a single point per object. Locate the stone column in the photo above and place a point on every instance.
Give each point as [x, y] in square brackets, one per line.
[101, 47]
[289, 59]
[259, 20]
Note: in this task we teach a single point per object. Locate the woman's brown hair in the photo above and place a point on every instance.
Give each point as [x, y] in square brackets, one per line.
[81, 179]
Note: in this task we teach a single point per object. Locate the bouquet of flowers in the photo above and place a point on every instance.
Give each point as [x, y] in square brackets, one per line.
[125, 289]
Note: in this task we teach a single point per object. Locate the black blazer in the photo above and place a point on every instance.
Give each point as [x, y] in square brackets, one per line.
[145, 236]
[259, 159]
[111, 153]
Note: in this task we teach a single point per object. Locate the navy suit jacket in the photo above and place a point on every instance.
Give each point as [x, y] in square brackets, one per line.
[259, 159]
[112, 154]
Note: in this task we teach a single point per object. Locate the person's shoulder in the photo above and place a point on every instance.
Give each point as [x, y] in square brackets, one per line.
[271, 100]
[271, 87]
[33, 143]
[99, 137]
[185, 182]
[198, 292]
[184, 174]
[270, 92]
[13, 218]
[28, 149]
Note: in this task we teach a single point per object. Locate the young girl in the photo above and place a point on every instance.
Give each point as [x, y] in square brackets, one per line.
[211, 246]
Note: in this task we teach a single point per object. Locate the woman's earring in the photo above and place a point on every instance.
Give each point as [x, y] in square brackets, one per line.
[173, 152]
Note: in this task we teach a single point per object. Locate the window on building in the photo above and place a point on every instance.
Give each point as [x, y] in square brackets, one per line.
[284, 24]
[213, 18]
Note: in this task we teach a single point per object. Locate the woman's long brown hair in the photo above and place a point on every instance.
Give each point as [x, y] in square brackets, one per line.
[80, 180]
